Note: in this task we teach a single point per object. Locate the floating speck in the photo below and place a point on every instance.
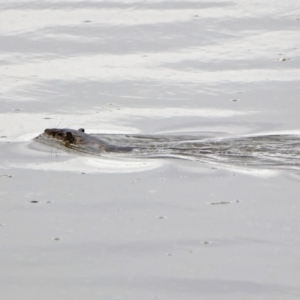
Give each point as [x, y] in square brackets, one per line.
[5, 175]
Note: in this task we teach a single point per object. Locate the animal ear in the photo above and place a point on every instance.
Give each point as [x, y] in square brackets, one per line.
[81, 129]
[69, 137]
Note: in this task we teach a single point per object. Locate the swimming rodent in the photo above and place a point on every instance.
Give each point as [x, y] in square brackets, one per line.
[74, 139]
[266, 150]
[97, 144]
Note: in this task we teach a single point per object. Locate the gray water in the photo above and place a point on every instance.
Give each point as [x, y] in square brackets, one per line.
[222, 224]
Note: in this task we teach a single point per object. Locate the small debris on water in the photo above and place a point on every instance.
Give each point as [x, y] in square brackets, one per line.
[17, 109]
[3, 136]
[224, 202]
[284, 59]
[136, 180]
[235, 100]
[5, 175]
[206, 242]
[87, 21]
[161, 217]
[47, 118]
[57, 239]
[34, 201]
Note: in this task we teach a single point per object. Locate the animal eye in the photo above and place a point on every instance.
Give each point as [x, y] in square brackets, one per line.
[69, 137]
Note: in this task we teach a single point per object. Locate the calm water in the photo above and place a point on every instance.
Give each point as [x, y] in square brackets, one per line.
[74, 227]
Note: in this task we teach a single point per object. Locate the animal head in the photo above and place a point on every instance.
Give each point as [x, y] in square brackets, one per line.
[65, 135]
